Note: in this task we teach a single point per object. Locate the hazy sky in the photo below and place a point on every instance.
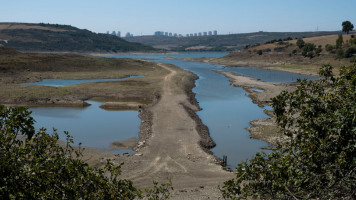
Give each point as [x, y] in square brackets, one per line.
[184, 16]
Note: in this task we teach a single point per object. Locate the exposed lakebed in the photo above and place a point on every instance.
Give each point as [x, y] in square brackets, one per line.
[226, 110]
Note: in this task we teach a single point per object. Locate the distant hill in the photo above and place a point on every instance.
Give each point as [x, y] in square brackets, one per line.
[54, 37]
[218, 42]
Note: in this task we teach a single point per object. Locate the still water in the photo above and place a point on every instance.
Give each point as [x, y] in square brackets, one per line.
[92, 126]
[67, 82]
[226, 110]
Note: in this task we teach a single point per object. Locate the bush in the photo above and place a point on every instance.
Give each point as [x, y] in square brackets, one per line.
[339, 41]
[318, 50]
[317, 158]
[259, 52]
[308, 49]
[34, 166]
[266, 50]
[279, 49]
[340, 53]
[330, 48]
[350, 52]
[353, 41]
[300, 43]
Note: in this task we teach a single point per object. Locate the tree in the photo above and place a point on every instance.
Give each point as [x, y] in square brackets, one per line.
[308, 50]
[34, 166]
[339, 41]
[347, 26]
[300, 43]
[318, 50]
[316, 159]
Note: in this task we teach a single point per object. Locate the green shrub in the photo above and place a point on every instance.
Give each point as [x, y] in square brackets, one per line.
[349, 52]
[279, 49]
[353, 41]
[318, 50]
[300, 43]
[266, 50]
[308, 50]
[339, 41]
[317, 158]
[330, 47]
[340, 53]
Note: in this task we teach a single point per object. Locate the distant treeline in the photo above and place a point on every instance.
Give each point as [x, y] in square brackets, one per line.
[220, 42]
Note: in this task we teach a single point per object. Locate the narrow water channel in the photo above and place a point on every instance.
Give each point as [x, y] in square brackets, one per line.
[226, 110]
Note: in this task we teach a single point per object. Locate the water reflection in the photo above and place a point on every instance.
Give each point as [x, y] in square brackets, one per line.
[92, 126]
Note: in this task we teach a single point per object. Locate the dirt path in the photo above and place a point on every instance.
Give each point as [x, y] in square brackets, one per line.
[173, 150]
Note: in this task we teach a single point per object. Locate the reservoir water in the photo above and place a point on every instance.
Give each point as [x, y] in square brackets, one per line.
[91, 126]
[67, 82]
[226, 110]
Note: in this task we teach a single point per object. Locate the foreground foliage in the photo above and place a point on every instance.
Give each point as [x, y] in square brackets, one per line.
[34, 166]
[317, 159]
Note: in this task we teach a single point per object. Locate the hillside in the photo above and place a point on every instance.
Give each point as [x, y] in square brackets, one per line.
[54, 37]
[287, 56]
[218, 42]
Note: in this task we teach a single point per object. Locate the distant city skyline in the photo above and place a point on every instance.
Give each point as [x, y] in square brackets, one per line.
[144, 17]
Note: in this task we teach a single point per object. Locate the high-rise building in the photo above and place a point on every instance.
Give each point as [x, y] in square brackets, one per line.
[170, 34]
[113, 33]
[107, 32]
[128, 34]
[210, 33]
[195, 34]
[191, 35]
[166, 34]
[199, 34]
[175, 35]
[187, 35]
[118, 34]
[215, 32]
[158, 33]
[205, 33]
